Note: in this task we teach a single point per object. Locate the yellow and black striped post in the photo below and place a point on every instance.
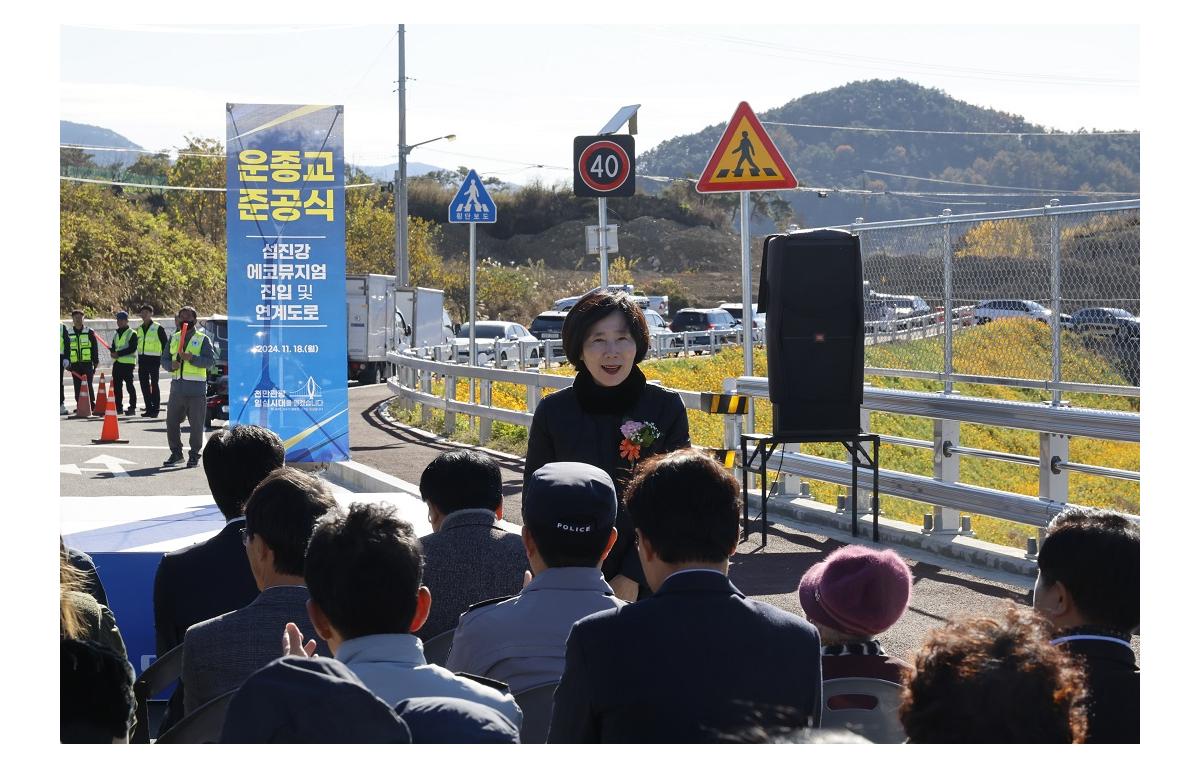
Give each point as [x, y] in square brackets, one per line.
[728, 405]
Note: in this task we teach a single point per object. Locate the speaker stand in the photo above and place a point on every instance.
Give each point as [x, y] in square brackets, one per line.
[764, 447]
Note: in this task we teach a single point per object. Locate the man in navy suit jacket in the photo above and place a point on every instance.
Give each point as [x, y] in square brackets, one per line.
[698, 661]
[211, 578]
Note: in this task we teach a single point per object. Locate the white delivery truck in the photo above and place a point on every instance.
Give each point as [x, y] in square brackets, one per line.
[370, 325]
[381, 317]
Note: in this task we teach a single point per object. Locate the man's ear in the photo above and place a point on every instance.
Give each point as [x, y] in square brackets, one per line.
[527, 540]
[319, 620]
[645, 547]
[500, 510]
[424, 601]
[612, 540]
[1056, 600]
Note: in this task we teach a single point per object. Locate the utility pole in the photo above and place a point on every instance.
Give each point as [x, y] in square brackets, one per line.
[401, 183]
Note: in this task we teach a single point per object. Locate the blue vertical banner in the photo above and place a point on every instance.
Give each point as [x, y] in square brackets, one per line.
[286, 238]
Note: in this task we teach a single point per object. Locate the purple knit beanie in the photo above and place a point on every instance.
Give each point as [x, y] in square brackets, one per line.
[857, 590]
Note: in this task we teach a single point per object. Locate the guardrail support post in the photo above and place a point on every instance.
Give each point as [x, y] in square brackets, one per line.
[945, 470]
[426, 378]
[1052, 481]
[485, 398]
[449, 395]
[733, 425]
[533, 396]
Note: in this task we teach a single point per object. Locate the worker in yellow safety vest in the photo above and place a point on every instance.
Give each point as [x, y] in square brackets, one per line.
[188, 358]
[65, 360]
[83, 352]
[124, 353]
[151, 341]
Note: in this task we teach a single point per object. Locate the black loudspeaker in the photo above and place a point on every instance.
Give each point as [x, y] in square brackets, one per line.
[811, 292]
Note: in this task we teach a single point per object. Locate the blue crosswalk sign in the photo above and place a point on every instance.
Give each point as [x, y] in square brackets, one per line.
[472, 204]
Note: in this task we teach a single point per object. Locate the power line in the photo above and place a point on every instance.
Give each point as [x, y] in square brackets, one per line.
[997, 186]
[1017, 134]
[114, 183]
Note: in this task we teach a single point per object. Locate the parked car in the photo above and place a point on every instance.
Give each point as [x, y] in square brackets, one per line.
[658, 327]
[1108, 321]
[490, 332]
[564, 305]
[735, 309]
[904, 311]
[711, 319]
[987, 311]
[548, 327]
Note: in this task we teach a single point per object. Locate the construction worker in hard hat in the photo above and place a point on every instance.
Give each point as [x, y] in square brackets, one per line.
[124, 354]
[83, 352]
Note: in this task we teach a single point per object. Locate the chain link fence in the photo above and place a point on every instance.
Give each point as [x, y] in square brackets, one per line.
[1046, 297]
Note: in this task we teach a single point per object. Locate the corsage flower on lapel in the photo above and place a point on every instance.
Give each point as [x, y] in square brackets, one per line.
[638, 435]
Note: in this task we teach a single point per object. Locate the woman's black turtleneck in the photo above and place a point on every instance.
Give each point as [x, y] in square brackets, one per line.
[594, 398]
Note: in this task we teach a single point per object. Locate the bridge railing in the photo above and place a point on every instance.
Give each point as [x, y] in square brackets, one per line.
[941, 489]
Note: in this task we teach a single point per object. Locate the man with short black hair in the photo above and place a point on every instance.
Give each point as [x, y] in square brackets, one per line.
[468, 557]
[698, 659]
[1089, 586]
[151, 341]
[220, 653]
[124, 355]
[570, 510]
[188, 358]
[83, 354]
[363, 571]
[214, 577]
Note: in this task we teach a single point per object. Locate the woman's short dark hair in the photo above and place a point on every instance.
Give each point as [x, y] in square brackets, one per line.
[594, 306]
[687, 505]
[996, 681]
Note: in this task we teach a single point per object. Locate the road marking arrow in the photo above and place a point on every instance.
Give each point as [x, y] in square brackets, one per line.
[69, 469]
[112, 464]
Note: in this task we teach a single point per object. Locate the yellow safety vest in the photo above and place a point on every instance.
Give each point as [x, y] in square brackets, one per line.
[81, 345]
[188, 371]
[62, 339]
[121, 341]
[149, 342]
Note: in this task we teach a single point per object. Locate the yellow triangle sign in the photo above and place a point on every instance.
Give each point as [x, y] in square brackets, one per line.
[745, 159]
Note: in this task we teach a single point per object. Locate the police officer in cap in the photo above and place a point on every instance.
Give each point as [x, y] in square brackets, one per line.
[83, 352]
[151, 340]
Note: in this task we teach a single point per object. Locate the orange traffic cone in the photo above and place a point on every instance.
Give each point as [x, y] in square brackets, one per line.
[83, 408]
[109, 432]
[101, 397]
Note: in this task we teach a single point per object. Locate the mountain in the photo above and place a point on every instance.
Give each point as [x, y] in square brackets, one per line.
[841, 159]
[95, 136]
[388, 172]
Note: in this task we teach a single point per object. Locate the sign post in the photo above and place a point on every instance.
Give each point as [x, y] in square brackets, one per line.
[604, 168]
[746, 160]
[286, 271]
[472, 205]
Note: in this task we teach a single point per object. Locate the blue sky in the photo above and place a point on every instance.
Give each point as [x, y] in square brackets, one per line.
[516, 94]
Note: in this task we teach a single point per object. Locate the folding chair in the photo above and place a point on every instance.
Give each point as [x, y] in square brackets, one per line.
[437, 648]
[537, 704]
[202, 726]
[867, 706]
[165, 670]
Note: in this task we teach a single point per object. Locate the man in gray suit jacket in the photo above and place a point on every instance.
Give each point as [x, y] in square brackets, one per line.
[468, 557]
[220, 653]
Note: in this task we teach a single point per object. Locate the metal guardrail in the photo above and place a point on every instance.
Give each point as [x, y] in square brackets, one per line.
[942, 490]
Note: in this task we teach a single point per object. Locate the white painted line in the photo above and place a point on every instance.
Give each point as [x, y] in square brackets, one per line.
[123, 447]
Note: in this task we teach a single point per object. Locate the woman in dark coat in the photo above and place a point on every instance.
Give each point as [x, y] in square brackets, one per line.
[610, 417]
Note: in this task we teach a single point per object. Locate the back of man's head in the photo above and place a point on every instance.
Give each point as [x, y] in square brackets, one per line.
[687, 505]
[462, 479]
[283, 510]
[1096, 555]
[569, 509]
[363, 569]
[96, 702]
[236, 459]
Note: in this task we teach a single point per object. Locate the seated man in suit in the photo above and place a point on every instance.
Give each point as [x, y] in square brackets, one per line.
[468, 557]
[363, 571]
[220, 653]
[569, 511]
[698, 659]
[211, 578]
[1089, 587]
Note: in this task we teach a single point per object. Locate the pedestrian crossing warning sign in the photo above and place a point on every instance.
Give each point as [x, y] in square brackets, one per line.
[472, 204]
[745, 159]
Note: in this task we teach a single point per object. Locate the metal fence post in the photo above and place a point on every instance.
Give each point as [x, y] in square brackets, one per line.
[1056, 306]
[732, 423]
[945, 469]
[450, 394]
[1053, 482]
[533, 396]
[426, 378]
[947, 306]
[485, 398]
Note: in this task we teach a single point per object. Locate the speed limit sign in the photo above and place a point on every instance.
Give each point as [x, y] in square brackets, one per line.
[604, 166]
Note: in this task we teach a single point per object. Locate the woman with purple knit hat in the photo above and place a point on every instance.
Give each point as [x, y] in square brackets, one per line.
[851, 596]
